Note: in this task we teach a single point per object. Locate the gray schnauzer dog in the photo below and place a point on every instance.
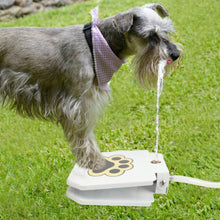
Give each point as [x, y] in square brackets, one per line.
[49, 73]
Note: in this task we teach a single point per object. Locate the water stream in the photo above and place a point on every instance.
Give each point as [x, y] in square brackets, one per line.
[161, 71]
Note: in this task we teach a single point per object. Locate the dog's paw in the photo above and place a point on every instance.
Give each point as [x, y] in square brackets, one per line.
[115, 165]
[100, 163]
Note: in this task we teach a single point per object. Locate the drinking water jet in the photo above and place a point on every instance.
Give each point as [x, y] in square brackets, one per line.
[161, 71]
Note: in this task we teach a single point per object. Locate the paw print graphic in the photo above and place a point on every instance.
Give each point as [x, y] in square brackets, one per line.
[115, 165]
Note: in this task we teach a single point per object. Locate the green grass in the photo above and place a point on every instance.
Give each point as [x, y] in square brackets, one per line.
[35, 161]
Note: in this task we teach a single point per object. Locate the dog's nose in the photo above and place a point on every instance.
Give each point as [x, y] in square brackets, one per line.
[175, 55]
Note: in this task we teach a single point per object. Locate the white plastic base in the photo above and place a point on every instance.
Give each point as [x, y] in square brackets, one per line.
[130, 179]
[132, 196]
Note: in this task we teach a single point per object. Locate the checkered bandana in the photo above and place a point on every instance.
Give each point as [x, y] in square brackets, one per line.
[106, 62]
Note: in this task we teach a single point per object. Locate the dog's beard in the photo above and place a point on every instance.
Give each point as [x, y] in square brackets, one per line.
[146, 65]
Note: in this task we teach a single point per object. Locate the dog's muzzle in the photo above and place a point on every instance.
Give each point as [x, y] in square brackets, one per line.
[172, 51]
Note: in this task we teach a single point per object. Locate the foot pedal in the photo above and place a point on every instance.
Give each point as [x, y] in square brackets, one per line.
[130, 178]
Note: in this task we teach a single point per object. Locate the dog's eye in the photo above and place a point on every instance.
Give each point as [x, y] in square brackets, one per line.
[166, 41]
[153, 38]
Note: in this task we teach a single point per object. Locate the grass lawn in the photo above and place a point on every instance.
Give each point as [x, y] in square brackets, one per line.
[35, 160]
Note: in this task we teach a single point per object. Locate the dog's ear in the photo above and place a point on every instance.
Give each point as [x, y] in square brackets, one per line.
[162, 11]
[123, 22]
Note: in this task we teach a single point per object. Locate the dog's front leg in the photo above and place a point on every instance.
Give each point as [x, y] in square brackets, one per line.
[87, 152]
[83, 145]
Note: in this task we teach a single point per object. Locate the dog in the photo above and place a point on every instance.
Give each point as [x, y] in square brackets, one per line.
[56, 73]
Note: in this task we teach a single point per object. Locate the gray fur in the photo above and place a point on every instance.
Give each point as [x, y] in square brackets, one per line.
[48, 72]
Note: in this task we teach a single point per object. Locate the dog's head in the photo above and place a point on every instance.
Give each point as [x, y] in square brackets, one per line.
[146, 36]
